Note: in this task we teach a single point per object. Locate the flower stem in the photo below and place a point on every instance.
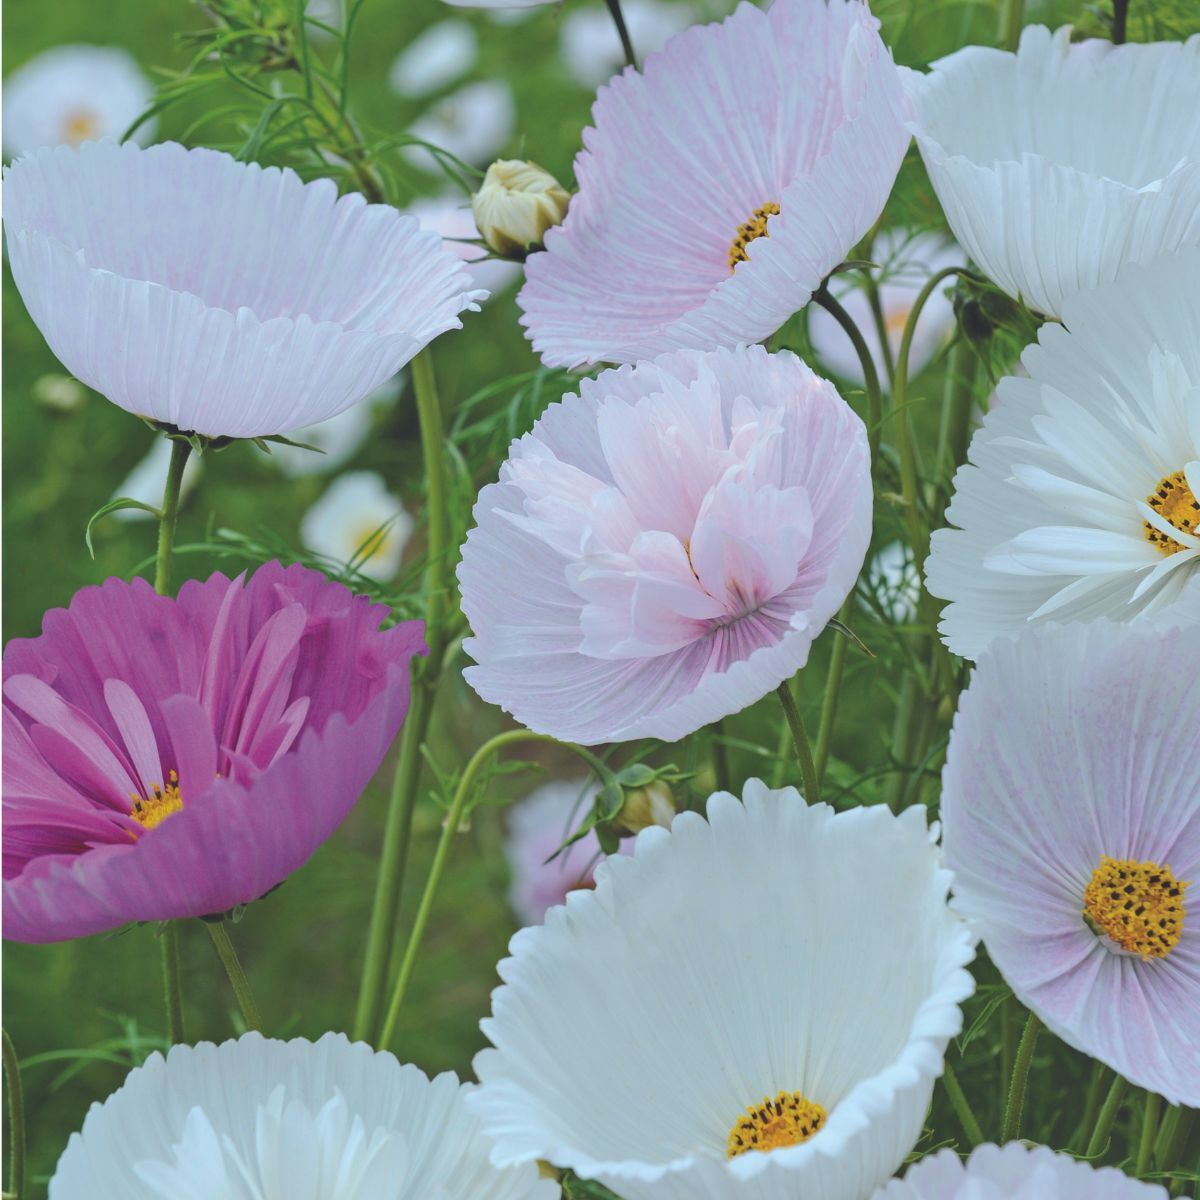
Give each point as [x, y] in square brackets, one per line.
[180, 450]
[720, 756]
[1149, 1129]
[614, 8]
[1014, 17]
[16, 1121]
[808, 768]
[168, 937]
[833, 688]
[1172, 1137]
[824, 298]
[1119, 21]
[1108, 1114]
[1020, 1075]
[237, 977]
[1091, 1106]
[962, 1108]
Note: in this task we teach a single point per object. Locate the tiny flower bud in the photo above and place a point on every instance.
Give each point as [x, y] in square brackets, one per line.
[645, 806]
[515, 206]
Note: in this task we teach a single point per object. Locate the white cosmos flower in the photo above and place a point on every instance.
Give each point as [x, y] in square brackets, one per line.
[440, 55]
[146, 481]
[473, 124]
[641, 1022]
[219, 296]
[259, 1119]
[590, 45]
[1058, 163]
[358, 520]
[1080, 496]
[73, 94]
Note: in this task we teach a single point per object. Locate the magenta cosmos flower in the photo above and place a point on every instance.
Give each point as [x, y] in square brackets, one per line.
[721, 185]
[1071, 807]
[662, 549]
[173, 758]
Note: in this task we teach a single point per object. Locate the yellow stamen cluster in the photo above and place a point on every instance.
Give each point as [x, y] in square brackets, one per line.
[788, 1120]
[164, 801]
[1138, 905]
[1174, 502]
[80, 125]
[756, 227]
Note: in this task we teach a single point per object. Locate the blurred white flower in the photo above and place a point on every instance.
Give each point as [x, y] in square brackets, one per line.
[590, 45]
[451, 216]
[328, 12]
[472, 123]
[59, 391]
[891, 577]
[145, 482]
[439, 56]
[906, 263]
[498, 5]
[73, 94]
[359, 520]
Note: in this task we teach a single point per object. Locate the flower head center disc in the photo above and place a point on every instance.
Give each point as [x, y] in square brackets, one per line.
[368, 542]
[1174, 501]
[164, 801]
[1137, 905]
[756, 227]
[788, 1120]
[80, 125]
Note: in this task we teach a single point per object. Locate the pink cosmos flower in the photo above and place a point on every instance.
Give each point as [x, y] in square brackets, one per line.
[720, 185]
[1071, 813]
[177, 757]
[662, 549]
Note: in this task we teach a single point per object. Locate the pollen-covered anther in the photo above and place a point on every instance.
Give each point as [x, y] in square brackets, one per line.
[1137, 905]
[163, 801]
[788, 1120]
[1175, 502]
[756, 227]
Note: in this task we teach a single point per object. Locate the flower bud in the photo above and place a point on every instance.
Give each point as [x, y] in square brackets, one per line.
[645, 806]
[515, 206]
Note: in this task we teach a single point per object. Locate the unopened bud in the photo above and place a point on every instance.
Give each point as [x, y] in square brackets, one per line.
[645, 806]
[516, 204]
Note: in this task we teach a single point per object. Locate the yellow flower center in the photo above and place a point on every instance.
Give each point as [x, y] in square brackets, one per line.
[756, 227]
[368, 542]
[164, 801]
[80, 125]
[1138, 905]
[1174, 502]
[788, 1120]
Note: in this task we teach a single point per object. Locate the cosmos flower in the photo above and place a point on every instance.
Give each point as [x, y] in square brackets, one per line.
[177, 757]
[1071, 806]
[906, 261]
[731, 1046]
[73, 94]
[591, 48]
[439, 56]
[259, 1119]
[473, 123]
[715, 193]
[1017, 1171]
[1080, 496]
[145, 481]
[218, 296]
[358, 520]
[1019, 145]
[662, 549]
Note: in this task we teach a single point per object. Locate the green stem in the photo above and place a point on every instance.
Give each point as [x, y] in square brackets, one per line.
[237, 977]
[833, 689]
[1119, 21]
[808, 768]
[1010, 1012]
[1149, 1129]
[720, 756]
[1014, 17]
[1172, 1138]
[962, 1109]
[903, 748]
[1091, 1106]
[16, 1120]
[614, 8]
[1020, 1075]
[1108, 1114]
[824, 298]
[168, 939]
[180, 450]
[881, 329]
[958, 404]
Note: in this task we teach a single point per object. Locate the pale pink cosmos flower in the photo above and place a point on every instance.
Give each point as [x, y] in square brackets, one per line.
[720, 185]
[662, 549]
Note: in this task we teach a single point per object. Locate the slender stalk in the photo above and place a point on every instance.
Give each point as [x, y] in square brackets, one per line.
[16, 1120]
[881, 329]
[1149, 1129]
[962, 1108]
[1172, 1138]
[833, 690]
[823, 297]
[1108, 1114]
[614, 8]
[903, 747]
[1010, 1012]
[172, 980]
[237, 977]
[720, 756]
[958, 403]
[808, 768]
[1091, 1106]
[1119, 21]
[1020, 1075]
[1014, 17]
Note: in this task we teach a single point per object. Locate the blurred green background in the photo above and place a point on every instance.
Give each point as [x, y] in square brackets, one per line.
[81, 1013]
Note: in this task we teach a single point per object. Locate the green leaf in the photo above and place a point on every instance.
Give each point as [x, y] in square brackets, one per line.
[845, 630]
[122, 502]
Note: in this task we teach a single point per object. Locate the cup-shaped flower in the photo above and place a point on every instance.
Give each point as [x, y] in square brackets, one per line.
[1020, 146]
[1017, 1171]
[1081, 498]
[178, 757]
[662, 548]
[721, 185]
[731, 1046]
[221, 297]
[1071, 805]
[259, 1119]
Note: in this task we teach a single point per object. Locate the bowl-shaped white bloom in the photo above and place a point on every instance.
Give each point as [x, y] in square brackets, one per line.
[218, 296]
[737, 982]
[1058, 163]
[439, 56]
[259, 1119]
[474, 124]
[358, 520]
[1015, 1172]
[1080, 497]
[73, 94]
